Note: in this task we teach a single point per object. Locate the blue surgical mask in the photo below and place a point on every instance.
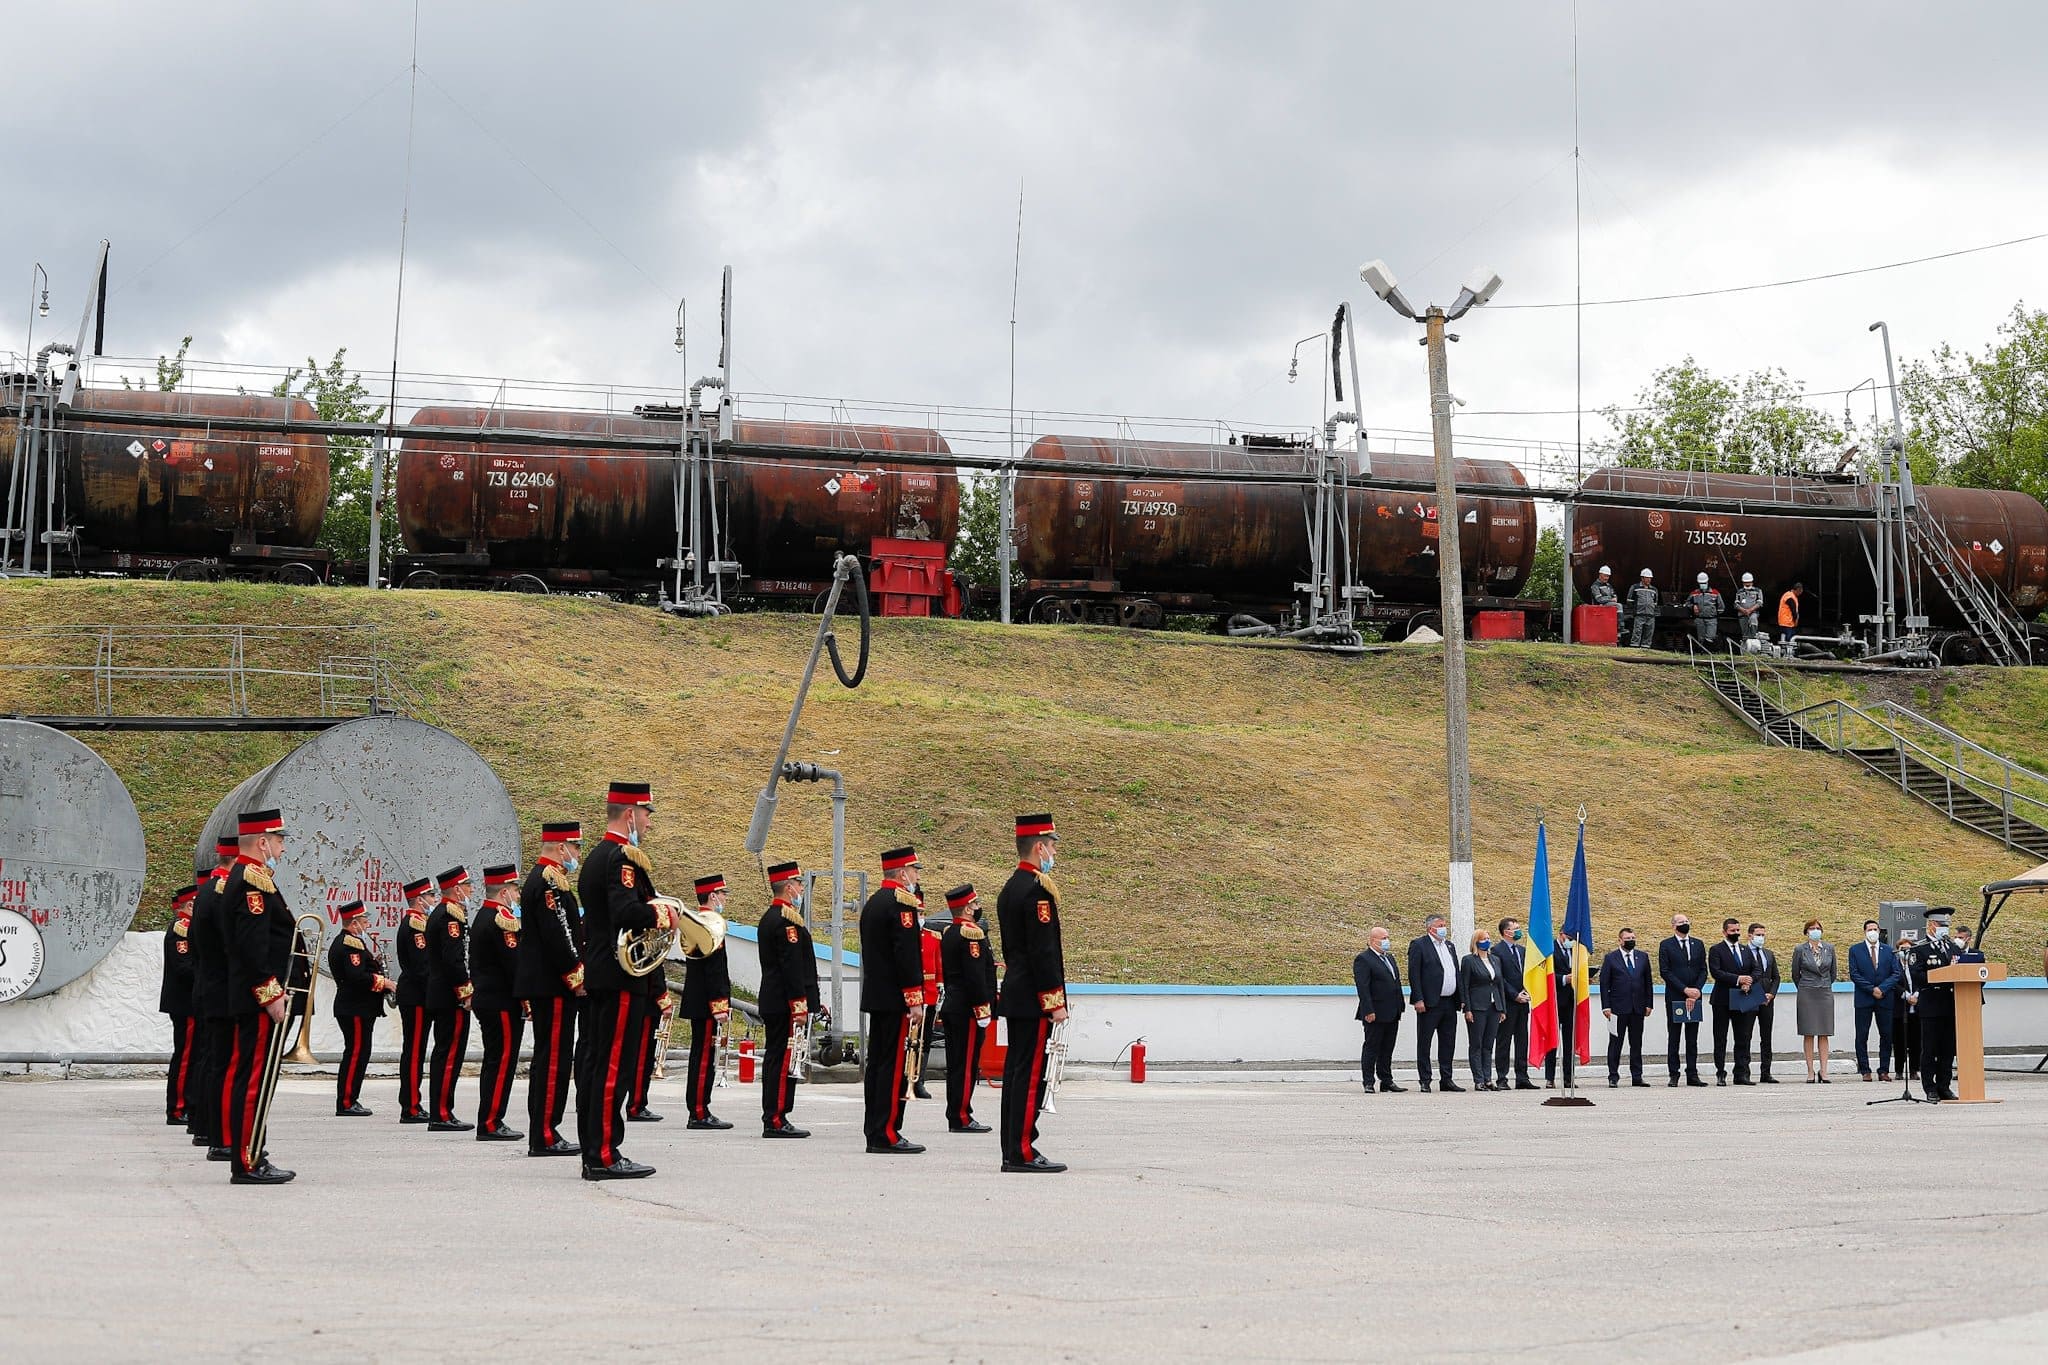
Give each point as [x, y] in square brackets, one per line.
[1439, 931]
[1941, 931]
[1813, 935]
[1484, 944]
[1757, 940]
[633, 838]
[1049, 860]
[572, 864]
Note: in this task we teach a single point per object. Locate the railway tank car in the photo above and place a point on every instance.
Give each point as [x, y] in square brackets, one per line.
[788, 496]
[1127, 550]
[172, 495]
[2002, 538]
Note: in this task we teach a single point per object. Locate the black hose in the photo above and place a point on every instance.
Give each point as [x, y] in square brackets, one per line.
[860, 592]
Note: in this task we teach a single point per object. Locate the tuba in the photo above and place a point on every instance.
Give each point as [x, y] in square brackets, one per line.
[701, 933]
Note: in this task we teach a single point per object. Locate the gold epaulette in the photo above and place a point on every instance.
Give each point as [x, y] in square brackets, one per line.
[1045, 880]
[905, 898]
[351, 941]
[458, 913]
[507, 921]
[637, 858]
[180, 929]
[972, 931]
[555, 877]
[259, 877]
[415, 922]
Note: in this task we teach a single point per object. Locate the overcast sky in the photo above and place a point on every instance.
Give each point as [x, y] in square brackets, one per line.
[1201, 182]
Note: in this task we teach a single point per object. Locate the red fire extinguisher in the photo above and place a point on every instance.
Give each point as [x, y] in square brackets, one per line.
[746, 1061]
[1138, 1062]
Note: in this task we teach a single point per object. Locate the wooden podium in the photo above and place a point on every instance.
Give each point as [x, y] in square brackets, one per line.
[1968, 978]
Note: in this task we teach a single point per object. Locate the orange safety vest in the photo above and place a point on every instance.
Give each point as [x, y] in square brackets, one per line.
[1788, 609]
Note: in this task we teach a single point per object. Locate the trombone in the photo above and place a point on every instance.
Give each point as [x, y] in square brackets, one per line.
[306, 945]
[301, 1053]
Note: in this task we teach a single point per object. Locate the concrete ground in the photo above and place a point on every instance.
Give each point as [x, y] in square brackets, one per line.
[1204, 1219]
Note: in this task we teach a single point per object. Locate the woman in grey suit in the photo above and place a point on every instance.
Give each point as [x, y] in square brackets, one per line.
[1486, 1003]
[1813, 973]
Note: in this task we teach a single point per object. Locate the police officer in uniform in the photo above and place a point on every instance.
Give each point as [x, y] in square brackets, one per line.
[549, 979]
[789, 995]
[1642, 605]
[174, 1001]
[1034, 994]
[359, 987]
[493, 964]
[1705, 604]
[449, 991]
[1935, 1003]
[967, 1006]
[707, 1004]
[258, 930]
[617, 891]
[1602, 594]
[210, 1002]
[413, 969]
[891, 990]
[1749, 605]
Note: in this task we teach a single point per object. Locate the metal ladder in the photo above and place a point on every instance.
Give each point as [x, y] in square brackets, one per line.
[1991, 618]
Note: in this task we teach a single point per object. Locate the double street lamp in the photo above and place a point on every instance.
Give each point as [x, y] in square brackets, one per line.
[1480, 287]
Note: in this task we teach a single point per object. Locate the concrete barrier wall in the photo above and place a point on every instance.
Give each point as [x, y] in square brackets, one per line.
[111, 1012]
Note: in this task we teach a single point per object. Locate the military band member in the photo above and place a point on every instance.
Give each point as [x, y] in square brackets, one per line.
[968, 1006]
[258, 931]
[210, 1002]
[174, 1001]
[359, 989]
[1034, 994]
[493, 963]
[1935, 1003]
[617, 891]
[414, 967]
[891, 990]
[707, 1004]
[789, 995]
[661, 1017]
[550, 981]
[449, 991]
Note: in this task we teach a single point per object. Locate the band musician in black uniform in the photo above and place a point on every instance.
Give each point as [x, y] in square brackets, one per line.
[449, 991]
[707, 1004]
[359, 990]
[617, 891]
[550, 980]
[789, 995]
[500, 1018]
[891, 991]
[212, 1036]
[414, 967]
[967, 1006]
[258, 930]
[174, 1001]
[1034, 994]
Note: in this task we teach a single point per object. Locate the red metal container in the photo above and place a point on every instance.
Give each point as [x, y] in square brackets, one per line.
[1138, 1062]
[746, 1065]
[1596, 625]
[908, 577]
[1498, 625]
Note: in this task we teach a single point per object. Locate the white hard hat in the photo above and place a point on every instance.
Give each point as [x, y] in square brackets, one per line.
[1648, 574]
[1703, 579]
[1604, 571]
[1749, 578]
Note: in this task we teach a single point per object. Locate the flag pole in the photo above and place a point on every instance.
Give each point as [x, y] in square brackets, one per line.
[1571, 1098]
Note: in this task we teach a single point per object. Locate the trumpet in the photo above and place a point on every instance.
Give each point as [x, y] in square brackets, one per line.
[667, 1024]
[723, 1058]
[800, 1048]
[1055, 1062]
[913, 1053]
[301, 1053]
[306, 945]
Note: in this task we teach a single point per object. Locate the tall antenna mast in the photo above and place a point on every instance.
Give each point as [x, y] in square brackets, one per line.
[1006, 485]
[377, 457]
[1578, 281]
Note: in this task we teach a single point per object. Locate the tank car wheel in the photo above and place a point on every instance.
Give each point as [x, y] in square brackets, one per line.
[421, 578]
[192, 571]
[1961, 650]
[1143, 614]
[299, 575]
[1053, 611]
[1432, 619]
[527, 583]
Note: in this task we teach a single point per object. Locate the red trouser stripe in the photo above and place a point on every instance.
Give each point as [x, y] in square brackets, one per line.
[184, 1063]
[1031, 1092]
[896, 1080]
[508, 1062]
[554, 1069]
[225, 1119]
[253, 1090]
[969, 1062]
[607, 1153]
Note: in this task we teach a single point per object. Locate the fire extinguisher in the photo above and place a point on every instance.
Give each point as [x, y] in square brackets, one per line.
[746, 1061]
[1138, 1062]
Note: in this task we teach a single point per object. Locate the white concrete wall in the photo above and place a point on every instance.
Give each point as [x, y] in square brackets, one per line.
[111, 1011]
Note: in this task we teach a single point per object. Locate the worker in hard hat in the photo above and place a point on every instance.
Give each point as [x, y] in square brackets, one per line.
[1603, 589]
[1642, 605]
[1705, 604]
[1749, 605]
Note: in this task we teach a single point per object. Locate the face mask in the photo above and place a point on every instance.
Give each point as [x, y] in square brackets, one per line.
[1870, 935]
[1439, 931]
[1941, 931]
[1733, 935]
[1516, 935]
[1628, 943]
[571, 863]
[1484, 944]
[796, 898]
[1813, 935]
[1757, 940]
[1685, 928]
[1049, 861]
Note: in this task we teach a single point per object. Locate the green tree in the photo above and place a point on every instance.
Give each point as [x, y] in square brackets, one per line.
[1546, 572]
[337, 395]
[1691, 418]
[1982, 420]
[973, 557]
[170, 370]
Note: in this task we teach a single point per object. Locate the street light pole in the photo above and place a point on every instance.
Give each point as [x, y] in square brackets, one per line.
[1451, 594]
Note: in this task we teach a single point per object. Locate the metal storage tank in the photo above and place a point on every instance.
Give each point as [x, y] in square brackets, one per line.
[369, 805]
[1164, 537]
[71, 850]
[171, 490]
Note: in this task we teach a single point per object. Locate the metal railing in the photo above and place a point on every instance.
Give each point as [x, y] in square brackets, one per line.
[1984, 605]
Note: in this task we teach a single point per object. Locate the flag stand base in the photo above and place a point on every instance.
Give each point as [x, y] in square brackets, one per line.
[1569, 1101]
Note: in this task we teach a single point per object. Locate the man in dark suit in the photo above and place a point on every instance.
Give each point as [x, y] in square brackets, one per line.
[1564, 989]
[1512, 957]
[1682, 963]
[1378, 979]
[1874, 971]
[1433, 990]
[1733, 967]
[1626, 999]
[1771, 978]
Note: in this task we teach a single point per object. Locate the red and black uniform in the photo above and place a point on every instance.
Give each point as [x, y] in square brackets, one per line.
[414, 966]
[891, 986]
[359, 986]
[928, 952]
[789, 996]
[449, 991]
[174, 999]
[258, 930]
[706, 1003]
[493, 965]
[968, 1007]
[616, 888]
[1028, 914]
[548, 976]
[212, 1036]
